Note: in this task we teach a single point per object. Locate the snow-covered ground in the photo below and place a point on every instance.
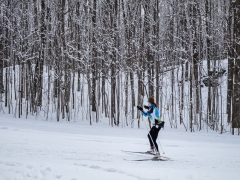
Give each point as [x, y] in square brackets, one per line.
[36, 149]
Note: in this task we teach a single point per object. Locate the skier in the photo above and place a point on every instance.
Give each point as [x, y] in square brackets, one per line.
[153, 113]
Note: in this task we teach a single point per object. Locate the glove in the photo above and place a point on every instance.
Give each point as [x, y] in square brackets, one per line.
[146, 107]
[139, 108]
[162, 124]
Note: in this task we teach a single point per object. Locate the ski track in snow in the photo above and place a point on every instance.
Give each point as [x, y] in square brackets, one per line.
[113, 170]
[25, 171]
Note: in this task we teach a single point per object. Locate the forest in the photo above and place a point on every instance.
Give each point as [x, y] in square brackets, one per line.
[95, 59]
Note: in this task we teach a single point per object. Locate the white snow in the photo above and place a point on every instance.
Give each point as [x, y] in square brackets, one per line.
[35, 149]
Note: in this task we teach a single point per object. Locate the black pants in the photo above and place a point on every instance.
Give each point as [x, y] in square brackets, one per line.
[152, 136]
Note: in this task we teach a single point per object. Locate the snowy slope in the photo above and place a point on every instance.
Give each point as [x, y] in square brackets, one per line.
[35, 149]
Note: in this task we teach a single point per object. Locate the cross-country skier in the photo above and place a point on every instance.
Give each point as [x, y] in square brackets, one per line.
[153, 113]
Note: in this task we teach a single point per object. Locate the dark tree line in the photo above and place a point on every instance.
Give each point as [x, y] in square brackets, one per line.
[71, 59]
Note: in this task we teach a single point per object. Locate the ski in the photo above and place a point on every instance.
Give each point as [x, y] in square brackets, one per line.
[141, 152]
[138, 152]
[150, 159]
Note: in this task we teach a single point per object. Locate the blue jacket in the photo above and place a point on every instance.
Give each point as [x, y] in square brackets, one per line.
[153, 113]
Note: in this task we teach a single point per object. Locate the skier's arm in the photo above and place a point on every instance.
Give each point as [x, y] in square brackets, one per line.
[145, 113]
[148, 113]
[146, 107]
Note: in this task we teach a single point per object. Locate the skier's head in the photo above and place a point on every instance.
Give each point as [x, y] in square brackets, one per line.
[151, 100]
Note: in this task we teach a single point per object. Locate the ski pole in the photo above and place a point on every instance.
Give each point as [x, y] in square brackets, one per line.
[161, 146]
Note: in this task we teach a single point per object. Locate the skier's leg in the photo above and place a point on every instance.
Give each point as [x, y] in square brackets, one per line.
[154, 137]
[150, 141]
[150, 138]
